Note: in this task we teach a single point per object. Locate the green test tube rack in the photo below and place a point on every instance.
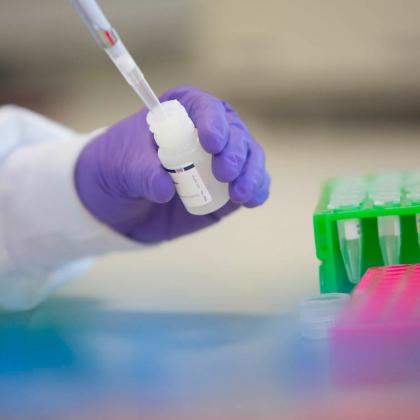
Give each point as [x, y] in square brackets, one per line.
[364, 201]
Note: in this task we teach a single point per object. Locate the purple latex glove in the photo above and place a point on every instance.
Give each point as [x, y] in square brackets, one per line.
[119, 177]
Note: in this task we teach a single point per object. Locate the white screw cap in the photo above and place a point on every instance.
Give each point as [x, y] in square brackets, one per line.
[171, 125]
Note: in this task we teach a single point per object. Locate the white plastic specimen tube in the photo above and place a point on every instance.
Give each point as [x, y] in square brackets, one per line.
[188, 164]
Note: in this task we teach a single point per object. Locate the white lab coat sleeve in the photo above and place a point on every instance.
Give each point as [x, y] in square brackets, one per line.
[45, 231]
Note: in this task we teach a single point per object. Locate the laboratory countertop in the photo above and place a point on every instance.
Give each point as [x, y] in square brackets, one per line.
[73, 358]
[260, 260]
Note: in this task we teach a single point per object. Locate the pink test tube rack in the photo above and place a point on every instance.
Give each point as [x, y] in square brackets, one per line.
[377, 337]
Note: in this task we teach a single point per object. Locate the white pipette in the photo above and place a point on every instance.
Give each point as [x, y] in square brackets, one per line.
[108, 39]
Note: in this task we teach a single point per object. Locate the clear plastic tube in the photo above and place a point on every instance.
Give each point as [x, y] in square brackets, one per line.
[350, 242]
[318, 314]
[389, 230]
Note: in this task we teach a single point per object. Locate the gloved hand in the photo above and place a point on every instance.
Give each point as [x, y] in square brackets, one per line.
[119, 177]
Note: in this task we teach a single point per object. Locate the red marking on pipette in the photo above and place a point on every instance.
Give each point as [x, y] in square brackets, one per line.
[109, 35]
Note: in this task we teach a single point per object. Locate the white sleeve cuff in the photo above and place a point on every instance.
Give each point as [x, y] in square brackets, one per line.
[43, 223]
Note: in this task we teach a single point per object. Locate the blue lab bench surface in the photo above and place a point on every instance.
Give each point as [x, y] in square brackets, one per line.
[73, 359]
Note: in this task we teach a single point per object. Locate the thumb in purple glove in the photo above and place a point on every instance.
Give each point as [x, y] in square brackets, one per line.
[119, 177]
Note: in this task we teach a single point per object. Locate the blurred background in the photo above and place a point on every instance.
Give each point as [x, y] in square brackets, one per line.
[328, 88]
